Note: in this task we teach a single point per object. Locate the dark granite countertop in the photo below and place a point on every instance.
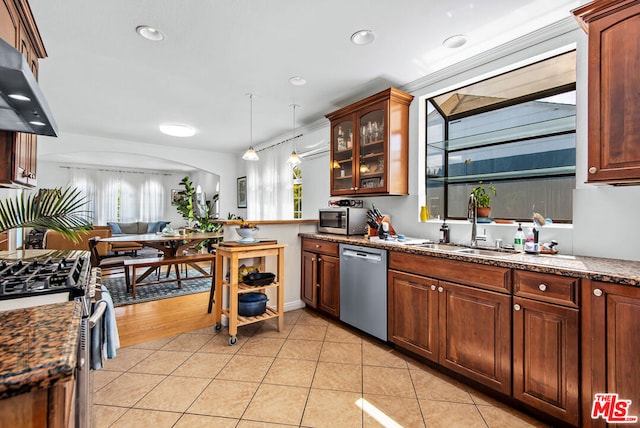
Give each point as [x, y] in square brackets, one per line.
[38, 347]
[615, 271]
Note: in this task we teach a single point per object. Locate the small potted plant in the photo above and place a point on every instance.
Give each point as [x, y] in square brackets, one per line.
[483, 199]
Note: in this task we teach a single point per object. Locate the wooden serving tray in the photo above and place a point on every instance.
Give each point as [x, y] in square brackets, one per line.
[248, 244]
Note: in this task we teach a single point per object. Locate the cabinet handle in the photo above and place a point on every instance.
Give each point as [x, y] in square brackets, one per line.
[516, 307]
[593, 170]
[355, 188]
[313, 259]
[542, 287]
[433, 287]
[317, 245]
[597, 292]
[319, 259]
[440, 289]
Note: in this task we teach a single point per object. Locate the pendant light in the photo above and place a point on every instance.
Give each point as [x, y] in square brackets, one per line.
[294, 159]
[250, 154]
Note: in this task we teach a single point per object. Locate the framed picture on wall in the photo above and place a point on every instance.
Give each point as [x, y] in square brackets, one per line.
[175, 196]
[242, 192]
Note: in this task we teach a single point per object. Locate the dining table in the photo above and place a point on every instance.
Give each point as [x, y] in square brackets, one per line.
[172, 245]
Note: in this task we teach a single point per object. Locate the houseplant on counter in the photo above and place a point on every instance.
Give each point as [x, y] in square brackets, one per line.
[56, 209]
[483, 199]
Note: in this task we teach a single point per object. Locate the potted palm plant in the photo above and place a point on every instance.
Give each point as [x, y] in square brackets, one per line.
[56, 209]
[483, 199]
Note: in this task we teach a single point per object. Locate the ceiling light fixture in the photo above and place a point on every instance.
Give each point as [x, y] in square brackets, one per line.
[250, 154]
[455, 41]
[297, 81]
[177, 130]
[149, 33]
[363, 37]
[294, 159]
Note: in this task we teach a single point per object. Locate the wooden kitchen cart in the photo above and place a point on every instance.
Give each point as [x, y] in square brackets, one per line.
[228, 256]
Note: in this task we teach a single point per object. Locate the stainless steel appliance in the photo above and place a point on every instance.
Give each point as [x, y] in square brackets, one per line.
[38, 277]
[342, 220]
[363, 289]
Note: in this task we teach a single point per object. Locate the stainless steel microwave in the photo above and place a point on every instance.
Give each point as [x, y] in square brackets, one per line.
[343, 220]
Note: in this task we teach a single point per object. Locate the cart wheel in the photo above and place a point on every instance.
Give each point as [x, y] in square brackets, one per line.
[218, 326]
[233, 340]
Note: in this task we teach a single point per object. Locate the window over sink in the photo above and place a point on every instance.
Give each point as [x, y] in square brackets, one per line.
[515, 131]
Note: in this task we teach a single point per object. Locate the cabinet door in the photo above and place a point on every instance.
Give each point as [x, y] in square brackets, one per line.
[610, 332]
[309, 283]
[343, 179]
[614, 60]
[413, 313]
[9, 22]
[329, 280]
[546, 358]
[475, 334]
[372, 149]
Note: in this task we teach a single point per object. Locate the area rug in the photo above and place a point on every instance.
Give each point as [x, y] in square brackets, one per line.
[146, 293]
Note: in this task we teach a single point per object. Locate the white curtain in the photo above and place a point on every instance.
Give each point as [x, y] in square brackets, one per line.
[153, 199]
[84, 180]
[121, 195]
[270, 184]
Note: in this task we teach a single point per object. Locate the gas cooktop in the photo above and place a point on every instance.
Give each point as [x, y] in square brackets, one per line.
[37, 272]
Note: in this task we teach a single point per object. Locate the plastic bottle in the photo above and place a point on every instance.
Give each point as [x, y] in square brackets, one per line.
[518, 239]
[530, 245]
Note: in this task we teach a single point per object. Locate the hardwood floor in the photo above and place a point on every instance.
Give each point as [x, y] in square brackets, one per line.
[147, 321]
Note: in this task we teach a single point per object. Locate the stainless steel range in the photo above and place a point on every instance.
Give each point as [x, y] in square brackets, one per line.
[39, 277]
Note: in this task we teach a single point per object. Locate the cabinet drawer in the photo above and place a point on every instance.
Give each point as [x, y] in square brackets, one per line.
[546, 287]
[323, 247]
[487, 277]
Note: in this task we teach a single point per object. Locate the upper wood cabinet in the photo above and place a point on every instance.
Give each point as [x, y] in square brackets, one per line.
[18, 150]
[613, 27]
[370, 146]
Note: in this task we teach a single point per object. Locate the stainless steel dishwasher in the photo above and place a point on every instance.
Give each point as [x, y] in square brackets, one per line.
[363, 289]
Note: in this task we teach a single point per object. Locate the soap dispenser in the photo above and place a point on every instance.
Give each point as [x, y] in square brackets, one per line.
[444, 233]
[518, 239]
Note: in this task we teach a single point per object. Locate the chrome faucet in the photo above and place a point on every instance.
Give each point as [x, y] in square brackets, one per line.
[472, 216]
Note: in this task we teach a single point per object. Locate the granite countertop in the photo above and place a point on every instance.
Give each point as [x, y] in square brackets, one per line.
[615, 271]
[38, 347]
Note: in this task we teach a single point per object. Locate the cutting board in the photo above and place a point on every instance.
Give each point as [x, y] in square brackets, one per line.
[248, 244]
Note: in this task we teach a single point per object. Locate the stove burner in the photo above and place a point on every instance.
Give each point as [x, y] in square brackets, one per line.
[25, 277]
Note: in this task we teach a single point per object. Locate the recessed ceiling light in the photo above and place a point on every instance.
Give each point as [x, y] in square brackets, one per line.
[19, 97]
[455, 41]
[363, 37]
[177, 130]
[37, 123]
[297, 81]
[149, 33]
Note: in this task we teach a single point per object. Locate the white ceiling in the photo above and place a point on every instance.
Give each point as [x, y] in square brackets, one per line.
[102, 79]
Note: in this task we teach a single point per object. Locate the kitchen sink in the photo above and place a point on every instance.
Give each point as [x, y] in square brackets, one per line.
[442, 247]
[485, 251]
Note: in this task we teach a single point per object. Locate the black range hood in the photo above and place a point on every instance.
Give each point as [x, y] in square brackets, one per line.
[22, 104]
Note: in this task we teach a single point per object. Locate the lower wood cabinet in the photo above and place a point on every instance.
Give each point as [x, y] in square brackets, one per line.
[610, 332]
[546, 358]
[464, 329]
[320, 283]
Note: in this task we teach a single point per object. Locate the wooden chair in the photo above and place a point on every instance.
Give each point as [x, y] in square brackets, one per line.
[109, 264]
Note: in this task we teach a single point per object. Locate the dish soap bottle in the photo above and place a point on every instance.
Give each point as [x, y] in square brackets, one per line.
[518, 239]
[444, 233]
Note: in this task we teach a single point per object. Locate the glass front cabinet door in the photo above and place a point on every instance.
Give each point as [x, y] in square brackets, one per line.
[369, 146]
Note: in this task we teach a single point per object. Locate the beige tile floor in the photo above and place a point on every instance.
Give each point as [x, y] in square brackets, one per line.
[315, 373]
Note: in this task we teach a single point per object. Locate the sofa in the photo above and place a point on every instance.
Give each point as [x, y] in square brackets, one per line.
[133, 228]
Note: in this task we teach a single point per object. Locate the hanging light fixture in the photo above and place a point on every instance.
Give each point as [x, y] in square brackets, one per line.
[250, 154]
[294, 159]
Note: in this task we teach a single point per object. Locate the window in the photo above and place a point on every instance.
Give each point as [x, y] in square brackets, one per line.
[297, 192]
[515, 131]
